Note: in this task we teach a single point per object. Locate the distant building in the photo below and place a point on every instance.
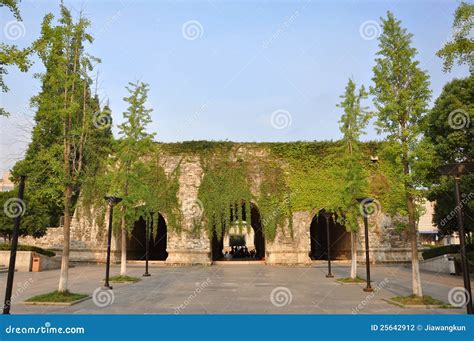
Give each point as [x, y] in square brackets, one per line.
[5, 183]
[427, 231]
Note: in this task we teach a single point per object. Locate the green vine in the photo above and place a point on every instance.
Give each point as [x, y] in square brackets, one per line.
[225, 195]
[297, 176]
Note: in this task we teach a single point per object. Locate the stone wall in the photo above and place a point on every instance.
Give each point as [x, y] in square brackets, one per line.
[88, 235]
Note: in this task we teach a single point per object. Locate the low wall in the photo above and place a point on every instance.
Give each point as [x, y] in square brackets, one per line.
[24, 261]
[440, 264]
[402, 255]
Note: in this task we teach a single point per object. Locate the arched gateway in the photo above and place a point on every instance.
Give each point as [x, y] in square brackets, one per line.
[136, 244]
[240, 242]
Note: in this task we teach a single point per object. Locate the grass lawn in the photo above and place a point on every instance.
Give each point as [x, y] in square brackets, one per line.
[351, 280]
[417, 300]
[123, 279]
[59, 297]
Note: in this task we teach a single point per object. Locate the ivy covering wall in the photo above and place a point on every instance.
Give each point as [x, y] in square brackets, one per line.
[298, 176]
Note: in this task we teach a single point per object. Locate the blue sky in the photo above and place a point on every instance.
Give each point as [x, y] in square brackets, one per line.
[246, 61]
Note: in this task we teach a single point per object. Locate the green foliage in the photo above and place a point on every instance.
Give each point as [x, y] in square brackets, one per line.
[274, 199]
[449, 129]
[12, 5]
[161, 193]
[7, 247]
[11, 54]
[128, 165]
[57, 296]
[461, 47]
[352, 125]
[444, 250]
[225, 194]
[401, 94]
[34, 221]
[123, 279]
[66, 143]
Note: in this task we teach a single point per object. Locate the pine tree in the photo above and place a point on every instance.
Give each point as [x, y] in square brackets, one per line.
[352, 124]
[401, 94]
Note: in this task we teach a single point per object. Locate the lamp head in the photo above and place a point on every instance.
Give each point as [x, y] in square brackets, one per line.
[112, 200]
[456, 169]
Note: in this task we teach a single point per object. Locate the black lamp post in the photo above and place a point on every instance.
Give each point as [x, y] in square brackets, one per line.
[112, 201]
[364, 202]
[147, 241]
[457, 170]
[14, 246]
[327, 216]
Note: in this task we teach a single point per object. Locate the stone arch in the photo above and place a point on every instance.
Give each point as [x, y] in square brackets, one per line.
[339, 237]
[220, 244]
[136, 244]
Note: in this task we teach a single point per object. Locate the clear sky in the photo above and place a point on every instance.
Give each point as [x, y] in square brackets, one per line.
[229, 70]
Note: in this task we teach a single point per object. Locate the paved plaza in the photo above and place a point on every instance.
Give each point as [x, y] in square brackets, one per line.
[232, 288]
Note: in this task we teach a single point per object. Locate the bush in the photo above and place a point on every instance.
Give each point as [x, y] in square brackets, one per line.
[7, 247]
[443, 250]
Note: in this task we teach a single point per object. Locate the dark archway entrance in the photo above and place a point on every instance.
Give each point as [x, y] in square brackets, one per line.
[136, 245]
[238, 248]
[340, 239]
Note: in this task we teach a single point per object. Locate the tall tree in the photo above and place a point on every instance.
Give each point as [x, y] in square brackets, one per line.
[461, 48]
[352, 124]
[450, 130]
[64, 120]
[401, 94]
[128, 165]
[11, 54]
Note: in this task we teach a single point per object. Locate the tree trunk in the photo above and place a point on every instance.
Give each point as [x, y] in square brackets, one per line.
[353, 254]
[63, 279]
[123, 260]
[415, 268]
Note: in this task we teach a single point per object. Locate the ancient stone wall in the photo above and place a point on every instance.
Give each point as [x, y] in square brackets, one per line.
[188, 246]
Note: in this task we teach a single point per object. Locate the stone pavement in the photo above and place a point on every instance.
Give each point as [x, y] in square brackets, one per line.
[231, 288]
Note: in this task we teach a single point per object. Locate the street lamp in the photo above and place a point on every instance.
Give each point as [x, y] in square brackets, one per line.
[365, 202]
[112, 201]
[147, 243]
[14, 246]
[327, 216]
[457, 170]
